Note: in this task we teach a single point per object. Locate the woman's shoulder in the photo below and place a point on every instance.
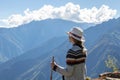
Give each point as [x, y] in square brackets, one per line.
[76, 48]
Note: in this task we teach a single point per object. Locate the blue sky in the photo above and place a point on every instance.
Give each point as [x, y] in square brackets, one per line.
[13, 7]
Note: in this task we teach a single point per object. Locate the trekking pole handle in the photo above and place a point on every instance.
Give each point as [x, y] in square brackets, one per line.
[53, 59]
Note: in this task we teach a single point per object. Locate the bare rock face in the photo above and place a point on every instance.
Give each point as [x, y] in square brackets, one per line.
[110, 76]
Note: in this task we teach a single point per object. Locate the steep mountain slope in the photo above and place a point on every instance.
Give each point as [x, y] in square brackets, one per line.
[93, 34]
[42, 69]
[9, 47]
[34, 61]
[109, 44]
[15, 41]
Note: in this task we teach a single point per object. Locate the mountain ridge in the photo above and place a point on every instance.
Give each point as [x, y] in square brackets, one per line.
[107, 45]
[29, 36]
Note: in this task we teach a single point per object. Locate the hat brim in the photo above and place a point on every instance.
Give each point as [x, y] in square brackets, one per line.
[79, 39]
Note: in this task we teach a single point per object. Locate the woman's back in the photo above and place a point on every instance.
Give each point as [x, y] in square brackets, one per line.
[76, 60]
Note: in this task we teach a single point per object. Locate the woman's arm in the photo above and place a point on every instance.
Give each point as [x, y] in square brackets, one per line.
[65, 71]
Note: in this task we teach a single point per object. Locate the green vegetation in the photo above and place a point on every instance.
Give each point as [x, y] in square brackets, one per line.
[111, 62]
[88, 78]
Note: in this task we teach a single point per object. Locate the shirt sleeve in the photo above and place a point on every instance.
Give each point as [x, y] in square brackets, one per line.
[65, 71]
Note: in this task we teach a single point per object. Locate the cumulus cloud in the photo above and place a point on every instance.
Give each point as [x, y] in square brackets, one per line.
[70, 11]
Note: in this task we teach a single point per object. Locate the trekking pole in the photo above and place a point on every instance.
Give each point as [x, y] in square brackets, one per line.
[51, 69]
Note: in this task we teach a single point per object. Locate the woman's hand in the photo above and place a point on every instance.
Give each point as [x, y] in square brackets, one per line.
[53, 65]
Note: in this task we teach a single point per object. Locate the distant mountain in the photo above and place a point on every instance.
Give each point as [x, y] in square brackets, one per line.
[109, 44]
[18, 40]
[93, 34]
[35, 64]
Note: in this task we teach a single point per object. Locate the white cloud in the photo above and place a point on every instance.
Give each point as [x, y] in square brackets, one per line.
[70, 11]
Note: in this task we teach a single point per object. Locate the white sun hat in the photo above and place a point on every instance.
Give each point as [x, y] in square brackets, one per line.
[76, 33]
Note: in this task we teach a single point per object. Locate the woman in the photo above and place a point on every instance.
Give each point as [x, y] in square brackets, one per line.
[75, 58]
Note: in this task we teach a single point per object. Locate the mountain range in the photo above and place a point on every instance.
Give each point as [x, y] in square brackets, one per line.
[34, 64]
[107, 45]
[18, 40]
